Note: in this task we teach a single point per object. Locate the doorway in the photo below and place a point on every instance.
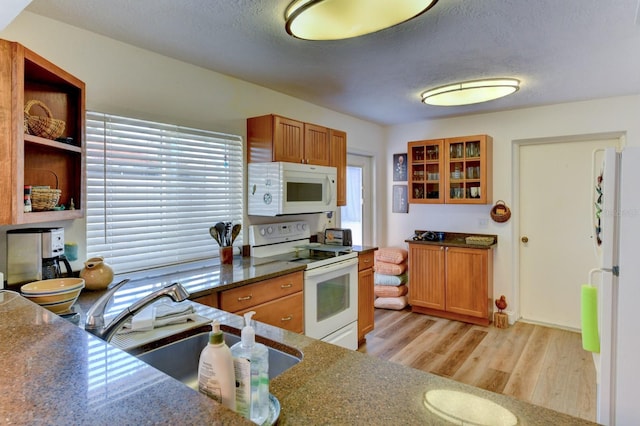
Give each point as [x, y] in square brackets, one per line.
[555, 227]
[357, 215]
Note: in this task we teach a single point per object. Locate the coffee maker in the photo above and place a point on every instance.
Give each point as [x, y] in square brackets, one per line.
[35, 254]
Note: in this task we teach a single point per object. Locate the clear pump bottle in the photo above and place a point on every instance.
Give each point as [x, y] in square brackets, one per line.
[251, 362]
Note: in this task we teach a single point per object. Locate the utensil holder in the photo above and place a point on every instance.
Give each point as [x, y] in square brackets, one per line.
[226, 255]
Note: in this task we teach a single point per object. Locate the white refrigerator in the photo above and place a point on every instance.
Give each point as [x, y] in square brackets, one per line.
[617, 239]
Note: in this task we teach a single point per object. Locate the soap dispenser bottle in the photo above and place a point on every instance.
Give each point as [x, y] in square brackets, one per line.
[216, 375]
[251, 362]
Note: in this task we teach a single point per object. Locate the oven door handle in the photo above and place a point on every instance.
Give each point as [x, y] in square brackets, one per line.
[331, 267]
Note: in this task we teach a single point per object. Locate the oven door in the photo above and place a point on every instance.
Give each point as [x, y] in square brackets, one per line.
[331, 299]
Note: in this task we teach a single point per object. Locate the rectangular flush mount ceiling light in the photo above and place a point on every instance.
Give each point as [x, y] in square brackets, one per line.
[341, 19]
[470, 92]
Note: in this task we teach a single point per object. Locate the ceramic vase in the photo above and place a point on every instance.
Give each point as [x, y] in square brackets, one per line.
[97, 275]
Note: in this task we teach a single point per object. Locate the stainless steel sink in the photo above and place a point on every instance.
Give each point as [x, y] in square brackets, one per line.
[180, 359]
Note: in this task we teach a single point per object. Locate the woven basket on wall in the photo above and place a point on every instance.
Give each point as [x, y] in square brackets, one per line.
[500, 212]
[46, 127]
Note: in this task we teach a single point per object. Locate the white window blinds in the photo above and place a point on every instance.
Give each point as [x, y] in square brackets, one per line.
[154, 190]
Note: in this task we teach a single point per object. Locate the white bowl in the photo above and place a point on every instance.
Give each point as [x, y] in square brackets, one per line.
[52, 286]
[59, 307]
[42, 298]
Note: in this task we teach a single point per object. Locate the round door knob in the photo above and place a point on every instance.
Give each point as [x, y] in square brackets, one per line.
[524, 239]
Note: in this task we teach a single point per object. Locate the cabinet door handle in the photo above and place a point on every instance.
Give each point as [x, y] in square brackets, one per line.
[283, 286]
[367, 260]
[442, 248]
[242, 299]
[287, 318]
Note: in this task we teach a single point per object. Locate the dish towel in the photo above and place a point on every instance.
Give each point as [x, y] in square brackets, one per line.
[159, 315]
[589, 314]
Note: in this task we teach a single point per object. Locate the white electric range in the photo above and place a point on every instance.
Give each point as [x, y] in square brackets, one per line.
[330, 278]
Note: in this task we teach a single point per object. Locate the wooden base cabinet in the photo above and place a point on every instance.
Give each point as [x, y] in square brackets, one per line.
[451, 282]
[27, 159]
[277, 301]
[365, 295]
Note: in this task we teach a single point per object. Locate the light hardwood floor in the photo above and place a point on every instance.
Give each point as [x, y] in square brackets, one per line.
[541, 365]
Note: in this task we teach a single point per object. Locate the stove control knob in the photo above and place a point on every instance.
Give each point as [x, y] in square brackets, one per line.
[302, 226]
[262, 231]
[270, 230]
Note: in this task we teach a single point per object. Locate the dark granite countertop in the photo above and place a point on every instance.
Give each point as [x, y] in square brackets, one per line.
[455, 239]
[199, 278]
[364, 249]
[53, 372]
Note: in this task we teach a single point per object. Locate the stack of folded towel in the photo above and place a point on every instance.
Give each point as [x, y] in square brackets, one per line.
[159, 315]
[390, 278]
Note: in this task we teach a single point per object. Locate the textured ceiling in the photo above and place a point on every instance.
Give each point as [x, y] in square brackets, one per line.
[561, 50]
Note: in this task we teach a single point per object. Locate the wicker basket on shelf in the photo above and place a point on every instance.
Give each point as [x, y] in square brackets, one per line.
[479, 240]
[45, 127]
[43, 198]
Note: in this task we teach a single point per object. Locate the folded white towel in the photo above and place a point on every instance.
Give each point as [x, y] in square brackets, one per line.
[165, 309]
[159, 315]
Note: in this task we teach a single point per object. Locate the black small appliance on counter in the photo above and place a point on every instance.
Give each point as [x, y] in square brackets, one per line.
[338, 237]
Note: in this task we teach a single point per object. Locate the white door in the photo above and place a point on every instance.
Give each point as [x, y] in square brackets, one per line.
[358, 213]
[556, 221]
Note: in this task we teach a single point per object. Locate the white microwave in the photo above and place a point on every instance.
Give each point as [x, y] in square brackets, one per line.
[281, 188]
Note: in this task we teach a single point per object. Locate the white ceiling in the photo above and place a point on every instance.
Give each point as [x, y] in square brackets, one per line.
[561, 50]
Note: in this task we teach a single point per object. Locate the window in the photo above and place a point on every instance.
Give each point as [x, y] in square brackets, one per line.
[154, 190]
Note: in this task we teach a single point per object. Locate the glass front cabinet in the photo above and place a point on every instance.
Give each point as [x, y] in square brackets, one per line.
[452, 171]
[425, 171]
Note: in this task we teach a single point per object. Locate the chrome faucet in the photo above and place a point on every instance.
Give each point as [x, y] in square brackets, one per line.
[95, 316]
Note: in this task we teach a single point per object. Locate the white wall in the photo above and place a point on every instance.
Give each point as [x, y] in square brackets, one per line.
[122, 79]
[11, 9]
[566, 120]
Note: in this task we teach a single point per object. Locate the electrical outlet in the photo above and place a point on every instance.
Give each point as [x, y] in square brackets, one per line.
[483, 222]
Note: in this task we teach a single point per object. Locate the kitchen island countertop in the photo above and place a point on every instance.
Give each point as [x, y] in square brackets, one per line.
[55, 373]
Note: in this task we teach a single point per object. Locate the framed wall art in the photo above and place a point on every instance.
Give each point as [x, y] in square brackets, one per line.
[399, 167]
[400, 200]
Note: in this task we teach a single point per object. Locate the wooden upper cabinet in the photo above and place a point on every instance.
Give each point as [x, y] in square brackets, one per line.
[452, 170]
[316, 145]
[288, 140]
[338, 150]
[275, 138]
[468, 170]
[425, 165]
[27, 159]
